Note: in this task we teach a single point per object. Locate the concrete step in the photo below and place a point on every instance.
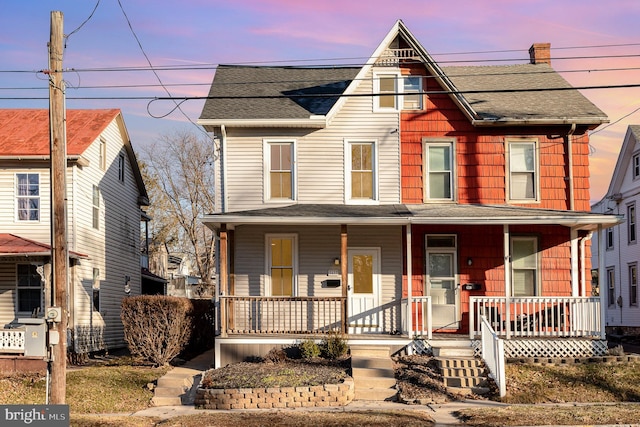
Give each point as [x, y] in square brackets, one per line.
[370, 351]
[376, 394]
[453, 351]
[166, 401]
[462, 372]
[371, 363]
[371, 372]
[458, 363]
[170, 391]
[464, 381]
[374, 383]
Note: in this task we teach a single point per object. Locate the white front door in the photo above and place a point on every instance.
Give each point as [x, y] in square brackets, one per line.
[364, 290]
[441, 281]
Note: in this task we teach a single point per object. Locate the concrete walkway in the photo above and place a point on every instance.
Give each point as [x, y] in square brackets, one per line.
[178, 386]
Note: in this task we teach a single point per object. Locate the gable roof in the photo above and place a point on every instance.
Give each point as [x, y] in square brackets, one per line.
[25, 134]
[629, 146]
[488, 95]
[12, 245]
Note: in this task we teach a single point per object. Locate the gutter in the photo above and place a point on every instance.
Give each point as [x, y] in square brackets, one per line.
[314, 122]
[596, 121]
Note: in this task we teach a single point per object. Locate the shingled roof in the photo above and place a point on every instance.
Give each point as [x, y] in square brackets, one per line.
[502, 95]
[258, 93]
[25, 132]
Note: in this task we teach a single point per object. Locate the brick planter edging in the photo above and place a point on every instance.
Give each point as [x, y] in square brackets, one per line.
[276, 397]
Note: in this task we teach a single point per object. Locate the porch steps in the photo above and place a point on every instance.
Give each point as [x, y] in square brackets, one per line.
[372, 372]
[173, 389]
[462, 373]
[463, 376]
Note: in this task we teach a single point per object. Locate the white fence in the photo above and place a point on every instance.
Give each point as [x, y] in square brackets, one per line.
[493, 355]
[537, 316]
[11, 341]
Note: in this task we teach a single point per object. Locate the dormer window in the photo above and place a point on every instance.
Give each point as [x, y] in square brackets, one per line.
[394, 92]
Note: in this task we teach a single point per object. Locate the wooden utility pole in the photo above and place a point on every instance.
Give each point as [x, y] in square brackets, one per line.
[59, 250]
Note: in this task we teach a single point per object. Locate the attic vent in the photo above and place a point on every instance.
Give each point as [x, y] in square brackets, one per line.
[392, 57]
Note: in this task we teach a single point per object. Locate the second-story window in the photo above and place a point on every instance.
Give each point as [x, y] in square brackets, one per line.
[102, 160]
[631, 223]
[279, 164]
[609, 237]
[635, 166]
[439, 170]
[121, 167]
[96, 207]
[361, 174]
[523, 171]
[28, 196]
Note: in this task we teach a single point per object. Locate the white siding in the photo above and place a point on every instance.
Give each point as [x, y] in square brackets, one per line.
[320, 156]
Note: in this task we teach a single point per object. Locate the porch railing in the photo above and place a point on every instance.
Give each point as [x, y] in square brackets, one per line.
[280, 315]
[537, 316]
[12, 340]
[419, 316]
[493, 355]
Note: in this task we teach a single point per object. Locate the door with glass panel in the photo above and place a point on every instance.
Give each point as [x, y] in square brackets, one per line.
[441, 280]
[364, 290]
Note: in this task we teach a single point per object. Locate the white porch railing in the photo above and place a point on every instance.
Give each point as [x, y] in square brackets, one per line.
[493, 355]
[419, 316]
[11, 340]
[537, 316]
[280, 315]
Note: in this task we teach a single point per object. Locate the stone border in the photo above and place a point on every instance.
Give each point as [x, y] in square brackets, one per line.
[276, 397]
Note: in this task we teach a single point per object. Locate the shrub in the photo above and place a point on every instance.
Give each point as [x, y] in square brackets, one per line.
[334, 345]
[309, 349]
[202, 331]
[156, 328]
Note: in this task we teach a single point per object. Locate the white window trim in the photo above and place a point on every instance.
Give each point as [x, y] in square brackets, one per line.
[376, 90]
[16, 214]
[630, 267]
[102, 154]
[632, 238]
[635, 157]
[538, 269]
[536, 183]
[611, 286]
[420, 92]
[426, 143]
[609, 232]
[266, 168]
[267, 263]
[347, 172]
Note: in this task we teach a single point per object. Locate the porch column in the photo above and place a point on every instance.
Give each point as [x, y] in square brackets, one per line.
[574, 263]
[224, 279]
[601, 283]
[507, 278]
[409, 318]
[344, 260]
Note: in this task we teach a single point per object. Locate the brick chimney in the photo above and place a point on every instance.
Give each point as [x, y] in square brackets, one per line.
[540, 53]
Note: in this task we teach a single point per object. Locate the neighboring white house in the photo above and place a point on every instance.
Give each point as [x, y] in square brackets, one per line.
[105, 192]
[621, 247]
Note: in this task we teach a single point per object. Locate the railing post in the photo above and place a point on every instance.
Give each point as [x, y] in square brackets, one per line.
[223, 317]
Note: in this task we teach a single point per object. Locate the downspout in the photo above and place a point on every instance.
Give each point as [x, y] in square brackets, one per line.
[583, 269]
[570, 160]
[223, 167]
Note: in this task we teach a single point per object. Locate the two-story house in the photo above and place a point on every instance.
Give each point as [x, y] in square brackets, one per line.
[104, 196]
[621, 253]
[399, 199]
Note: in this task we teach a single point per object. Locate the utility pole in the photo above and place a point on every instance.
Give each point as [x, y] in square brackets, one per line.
[59, 250]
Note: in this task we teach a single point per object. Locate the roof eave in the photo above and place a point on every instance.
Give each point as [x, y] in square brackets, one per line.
[590, 122]
[315, 122]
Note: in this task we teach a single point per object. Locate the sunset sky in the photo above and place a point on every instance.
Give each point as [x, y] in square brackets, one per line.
[594, 43]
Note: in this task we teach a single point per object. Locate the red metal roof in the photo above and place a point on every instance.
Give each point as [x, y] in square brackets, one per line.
[12, 245]
[25, 132]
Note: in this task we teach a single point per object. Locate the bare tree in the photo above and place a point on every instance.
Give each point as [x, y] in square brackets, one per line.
[179, 170]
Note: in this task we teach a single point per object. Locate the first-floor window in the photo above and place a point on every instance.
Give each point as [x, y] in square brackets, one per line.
[281, 260]
[96, 289]
[633, 284]
[611, 286]
[29, 288]
[524, 266]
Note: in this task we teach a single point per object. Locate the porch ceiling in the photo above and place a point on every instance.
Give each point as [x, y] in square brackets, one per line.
[401, 214]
